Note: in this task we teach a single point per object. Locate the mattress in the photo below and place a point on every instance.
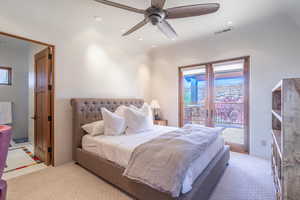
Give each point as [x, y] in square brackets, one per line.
[118, 149]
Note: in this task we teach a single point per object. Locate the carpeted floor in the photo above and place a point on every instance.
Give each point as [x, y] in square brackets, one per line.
[246, 178]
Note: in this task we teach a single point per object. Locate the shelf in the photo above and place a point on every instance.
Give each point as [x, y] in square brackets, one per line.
[276, 178]
[277, 114]
[285, 120]
[277, 87]
[276, 134]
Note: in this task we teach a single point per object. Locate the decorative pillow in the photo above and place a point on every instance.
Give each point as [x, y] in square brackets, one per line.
[146, 109]
[94, 128]
[114, 124]
[120, 110]
[138, 120]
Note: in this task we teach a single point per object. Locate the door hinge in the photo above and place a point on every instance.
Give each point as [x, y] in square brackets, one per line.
[49, 56]
[50, 149]
[49, 87]
[49, 118]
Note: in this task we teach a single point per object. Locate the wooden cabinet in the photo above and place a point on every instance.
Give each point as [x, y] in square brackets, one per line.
[286, 139]
[161, 122]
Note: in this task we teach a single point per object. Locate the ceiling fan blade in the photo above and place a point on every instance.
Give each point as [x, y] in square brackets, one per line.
[158, 3]
[124, 7]
[192, 10]
[136, 27]
[167, 29]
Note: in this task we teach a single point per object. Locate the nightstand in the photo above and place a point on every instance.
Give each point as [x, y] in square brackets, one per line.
[161, 122]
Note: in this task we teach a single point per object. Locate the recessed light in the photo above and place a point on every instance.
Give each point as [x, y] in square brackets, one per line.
[97, 18]
[229, 23]
[153, 46]
[140, 39]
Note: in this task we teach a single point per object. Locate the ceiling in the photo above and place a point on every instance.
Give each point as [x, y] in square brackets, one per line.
[239, 12]
[78, 14]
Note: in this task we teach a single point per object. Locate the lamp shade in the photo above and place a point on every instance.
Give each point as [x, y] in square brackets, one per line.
[155, 104]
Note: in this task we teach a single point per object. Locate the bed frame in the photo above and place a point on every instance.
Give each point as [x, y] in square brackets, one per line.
[89, 110]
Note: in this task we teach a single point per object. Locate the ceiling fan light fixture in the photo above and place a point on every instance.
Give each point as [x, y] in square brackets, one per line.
[155, 19]
[158, 16]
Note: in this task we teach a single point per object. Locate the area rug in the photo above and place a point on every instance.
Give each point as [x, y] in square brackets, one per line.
[19, 158]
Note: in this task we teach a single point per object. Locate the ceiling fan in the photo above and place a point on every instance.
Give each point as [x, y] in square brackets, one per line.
[157, 15]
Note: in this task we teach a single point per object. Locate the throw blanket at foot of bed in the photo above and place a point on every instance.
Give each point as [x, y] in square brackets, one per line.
[163, 162]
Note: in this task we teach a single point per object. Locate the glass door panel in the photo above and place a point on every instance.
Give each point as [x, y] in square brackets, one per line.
[194, 94]
[217, 94]
[229, 100]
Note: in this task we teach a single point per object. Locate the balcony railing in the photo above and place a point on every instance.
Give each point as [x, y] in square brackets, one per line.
[225, 114]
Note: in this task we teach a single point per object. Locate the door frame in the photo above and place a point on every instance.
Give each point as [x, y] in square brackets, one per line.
[52, 80]
[210, 79]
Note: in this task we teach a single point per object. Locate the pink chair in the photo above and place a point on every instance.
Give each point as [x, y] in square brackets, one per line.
[5, 136]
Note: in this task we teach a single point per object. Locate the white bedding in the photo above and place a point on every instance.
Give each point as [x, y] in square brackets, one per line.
[118, 149]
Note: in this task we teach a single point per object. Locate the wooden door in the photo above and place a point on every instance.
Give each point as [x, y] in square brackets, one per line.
[43, 118]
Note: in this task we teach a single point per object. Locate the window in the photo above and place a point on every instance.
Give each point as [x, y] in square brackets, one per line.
[5, 76]
[216, 94]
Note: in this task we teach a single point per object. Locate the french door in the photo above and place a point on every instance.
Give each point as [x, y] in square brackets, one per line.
[216, 94]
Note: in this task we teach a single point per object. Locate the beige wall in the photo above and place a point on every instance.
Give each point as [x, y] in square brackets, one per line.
[274, 47]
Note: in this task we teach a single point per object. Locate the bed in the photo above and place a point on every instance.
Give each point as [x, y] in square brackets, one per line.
[107, 156]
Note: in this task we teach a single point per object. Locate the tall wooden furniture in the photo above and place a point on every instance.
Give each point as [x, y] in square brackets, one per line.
[5, 136]
[286, 139]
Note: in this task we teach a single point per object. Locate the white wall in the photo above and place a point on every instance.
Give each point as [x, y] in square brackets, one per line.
[85, 67]
[87, 64]
[32, 50]
[274, 47]
[16, 58]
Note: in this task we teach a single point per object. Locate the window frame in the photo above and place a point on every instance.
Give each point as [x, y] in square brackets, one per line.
[9, 70]
[209, 65]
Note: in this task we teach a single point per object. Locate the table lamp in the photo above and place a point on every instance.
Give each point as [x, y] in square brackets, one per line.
[155, 106]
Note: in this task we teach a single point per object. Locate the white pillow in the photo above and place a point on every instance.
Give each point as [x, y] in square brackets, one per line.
[146, 109]
[138, 120]
[113, 123]
[120, 110]
[94, 128]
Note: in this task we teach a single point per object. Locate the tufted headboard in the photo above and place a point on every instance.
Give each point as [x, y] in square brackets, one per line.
[89, 110]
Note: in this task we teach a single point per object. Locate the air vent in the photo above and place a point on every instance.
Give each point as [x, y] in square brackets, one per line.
[223, 31]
